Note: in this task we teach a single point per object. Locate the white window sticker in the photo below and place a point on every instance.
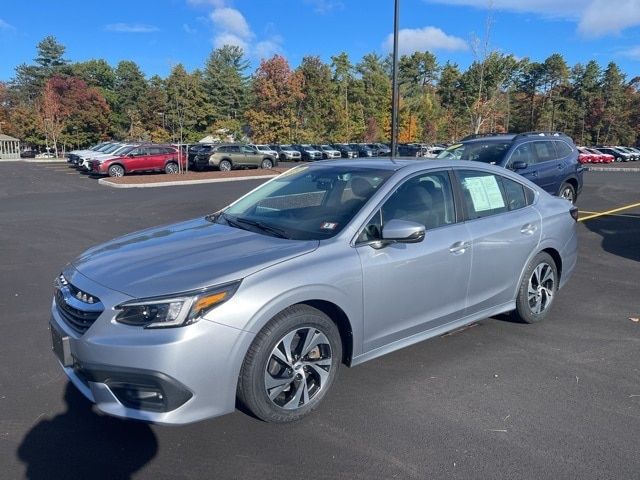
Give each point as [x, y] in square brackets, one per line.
[328, 226]
[485, 193]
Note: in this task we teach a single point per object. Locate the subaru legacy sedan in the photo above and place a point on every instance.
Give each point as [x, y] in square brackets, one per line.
[328, 264]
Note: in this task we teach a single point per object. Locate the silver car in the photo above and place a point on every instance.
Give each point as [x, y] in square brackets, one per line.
[332, 263]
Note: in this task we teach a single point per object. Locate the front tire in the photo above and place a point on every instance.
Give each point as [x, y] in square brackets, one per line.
[266, 164]
[291, 365]
[116, 171]
[537, 289]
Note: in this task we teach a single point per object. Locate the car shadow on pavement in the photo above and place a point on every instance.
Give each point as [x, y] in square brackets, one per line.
[620, 234]
[81, 444]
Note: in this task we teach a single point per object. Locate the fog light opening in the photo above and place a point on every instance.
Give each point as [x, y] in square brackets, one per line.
[141, 397]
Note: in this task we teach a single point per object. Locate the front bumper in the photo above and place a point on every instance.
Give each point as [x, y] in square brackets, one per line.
[166, 376]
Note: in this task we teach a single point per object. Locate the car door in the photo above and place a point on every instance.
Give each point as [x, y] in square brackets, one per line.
[136, 159]
[504, 230]
[409, 288]
[550, 167]
[251, 156]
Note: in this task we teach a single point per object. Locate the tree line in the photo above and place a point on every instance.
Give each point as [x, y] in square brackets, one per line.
[57, 103]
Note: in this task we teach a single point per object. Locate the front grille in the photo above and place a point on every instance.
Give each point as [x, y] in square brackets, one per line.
[73, 306]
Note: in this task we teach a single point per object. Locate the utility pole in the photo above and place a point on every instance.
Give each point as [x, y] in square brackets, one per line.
[394, 83]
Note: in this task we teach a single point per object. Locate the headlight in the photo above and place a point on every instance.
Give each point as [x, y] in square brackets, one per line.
[174, 310]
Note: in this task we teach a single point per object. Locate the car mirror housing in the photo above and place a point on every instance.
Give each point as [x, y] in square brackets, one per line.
[402, 231]
[519, 165]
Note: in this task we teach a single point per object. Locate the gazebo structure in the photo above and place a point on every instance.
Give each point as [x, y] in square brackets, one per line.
[9, 148]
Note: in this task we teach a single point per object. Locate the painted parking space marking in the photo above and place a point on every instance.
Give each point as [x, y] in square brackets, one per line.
[609, 212]
[621, 215]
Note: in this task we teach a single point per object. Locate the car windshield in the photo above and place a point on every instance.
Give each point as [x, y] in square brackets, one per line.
[486, 152]
[306, 203]
[112, 148]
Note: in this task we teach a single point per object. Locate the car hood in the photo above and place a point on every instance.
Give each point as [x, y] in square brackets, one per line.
[184, 256]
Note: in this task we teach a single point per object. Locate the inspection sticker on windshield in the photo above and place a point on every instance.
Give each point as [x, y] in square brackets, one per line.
[328, 226]
[485, 193]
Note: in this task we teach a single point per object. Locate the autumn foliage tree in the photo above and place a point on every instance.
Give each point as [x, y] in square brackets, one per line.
[72, 112]
[278, 93]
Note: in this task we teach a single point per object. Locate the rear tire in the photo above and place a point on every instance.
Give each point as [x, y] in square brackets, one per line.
[171, 168]
[537, 289]
[568, 192]
[224, 166]
[281, 380]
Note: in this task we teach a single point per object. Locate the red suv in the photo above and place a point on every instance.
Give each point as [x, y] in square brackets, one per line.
[145, 158]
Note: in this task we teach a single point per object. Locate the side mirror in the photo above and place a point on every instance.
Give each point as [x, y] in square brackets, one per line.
[402, 231]
[519, 165]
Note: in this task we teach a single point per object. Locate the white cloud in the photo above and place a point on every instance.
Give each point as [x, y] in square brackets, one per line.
[231, 28]
[325, 6]
[131, 28]
[188, 29]
[230, 20]
[632, 53]
[594, 17]
[6, 26]
[609, 16]
[226, 38]
[420, 39]
[267, 48]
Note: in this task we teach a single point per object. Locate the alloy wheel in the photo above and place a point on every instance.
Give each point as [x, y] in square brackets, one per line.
[298, 368]
[567, 194]
[541, 288]
[116, 171]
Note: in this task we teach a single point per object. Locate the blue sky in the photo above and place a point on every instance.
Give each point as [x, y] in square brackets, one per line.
[158, 34]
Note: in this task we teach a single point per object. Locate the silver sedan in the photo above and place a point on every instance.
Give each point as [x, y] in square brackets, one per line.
[328, 264]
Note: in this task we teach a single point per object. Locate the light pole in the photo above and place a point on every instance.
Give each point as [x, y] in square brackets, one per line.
[394, 83]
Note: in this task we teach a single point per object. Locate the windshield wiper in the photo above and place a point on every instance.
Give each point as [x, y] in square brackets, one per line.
[275, 231]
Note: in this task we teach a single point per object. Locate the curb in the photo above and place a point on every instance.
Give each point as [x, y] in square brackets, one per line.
[611, 169]
[107, 183]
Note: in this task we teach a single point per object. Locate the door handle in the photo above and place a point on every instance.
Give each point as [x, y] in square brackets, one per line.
[459, 248]
[528, 229]
[532, 174]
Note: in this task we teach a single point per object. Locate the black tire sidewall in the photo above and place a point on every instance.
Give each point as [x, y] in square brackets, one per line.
[224, 162]
[251, 390]
[264, 162]
[523, 311]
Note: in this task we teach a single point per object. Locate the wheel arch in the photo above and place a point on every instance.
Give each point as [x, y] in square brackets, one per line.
[340, 318]
[552, 252]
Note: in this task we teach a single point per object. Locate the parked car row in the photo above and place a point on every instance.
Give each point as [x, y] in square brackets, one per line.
[117, 159]
[592, 155]
[620, 154]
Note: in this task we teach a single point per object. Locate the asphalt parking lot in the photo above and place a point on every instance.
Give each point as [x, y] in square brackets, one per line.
[559, 399]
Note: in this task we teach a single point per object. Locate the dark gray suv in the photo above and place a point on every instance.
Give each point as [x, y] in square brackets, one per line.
[548, 159]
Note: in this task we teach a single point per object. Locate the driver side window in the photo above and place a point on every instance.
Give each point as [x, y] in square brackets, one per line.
[426, 199]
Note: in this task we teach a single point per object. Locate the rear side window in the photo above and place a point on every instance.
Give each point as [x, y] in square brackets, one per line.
[514, 193]
[481, 194]
[562, 148]
[544, 151]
